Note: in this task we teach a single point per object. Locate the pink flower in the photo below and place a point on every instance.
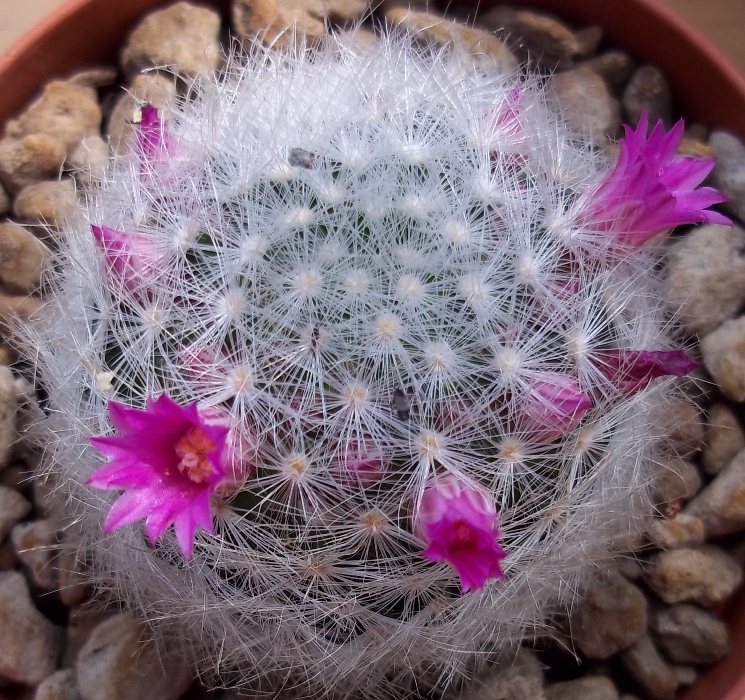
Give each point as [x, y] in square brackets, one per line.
[168, 460]
[131, 259]
[553, 404]
[632, 370]
[650, 189]
[457, 520]
[155, 144]
[239, 453]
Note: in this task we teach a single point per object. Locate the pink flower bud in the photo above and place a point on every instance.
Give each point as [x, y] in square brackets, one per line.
[553, 405]
[361, 461]
[155, 144]
[457, 520]
[131, 259]
[632, 370]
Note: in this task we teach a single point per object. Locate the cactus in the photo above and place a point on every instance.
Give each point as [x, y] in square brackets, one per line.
[382, 340]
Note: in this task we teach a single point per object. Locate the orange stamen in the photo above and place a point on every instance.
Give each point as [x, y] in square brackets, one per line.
[193, 448]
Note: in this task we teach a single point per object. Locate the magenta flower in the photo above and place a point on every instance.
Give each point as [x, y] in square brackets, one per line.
[168, 460]
[131, 259]
[553, 404]
[650, 189]
[632, 370]
[458, 520]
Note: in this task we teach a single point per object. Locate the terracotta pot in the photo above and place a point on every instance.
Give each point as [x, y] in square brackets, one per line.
[706, 86]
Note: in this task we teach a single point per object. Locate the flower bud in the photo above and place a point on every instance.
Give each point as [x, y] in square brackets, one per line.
[553, 405]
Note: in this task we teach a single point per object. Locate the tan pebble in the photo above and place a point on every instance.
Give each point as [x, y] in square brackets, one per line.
[614, 66]
[89, 159]
[61, 685]
[154, 89]
[35, 545]
[584, 100]
[587, 688]
[723, 353]
[30, 654]
[689, 635]
[283, 23]
[29, 159]
[681, 530]
[182, 36]
[95, 77]
[484, 48]
[118, 661]
[23, 306]
[723, 439]
[648, 92]
[611, 616]
[676, 479]
[51, 202]
[540, 40]
[23, 259]
[721, 505]
[64, 111]
[650, 670]
[704, 574]
[13, 508]
[686, 425]
[692, 147]
[5, 202]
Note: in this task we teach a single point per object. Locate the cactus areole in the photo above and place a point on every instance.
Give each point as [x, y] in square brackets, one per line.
[357, 362]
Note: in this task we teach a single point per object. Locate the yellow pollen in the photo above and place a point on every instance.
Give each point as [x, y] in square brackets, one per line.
[193, 448]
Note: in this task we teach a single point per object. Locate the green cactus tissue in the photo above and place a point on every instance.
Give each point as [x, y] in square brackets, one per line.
[355, 363]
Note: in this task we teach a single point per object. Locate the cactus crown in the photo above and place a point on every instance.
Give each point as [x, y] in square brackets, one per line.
[377, 270]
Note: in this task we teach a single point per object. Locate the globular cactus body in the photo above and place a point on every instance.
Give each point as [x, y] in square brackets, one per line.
[378, 271]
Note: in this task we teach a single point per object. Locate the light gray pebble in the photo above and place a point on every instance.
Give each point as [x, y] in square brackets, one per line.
[518, 677]
[30, 654]
[611, 616]
[630, 567]
[683, 529]
[587, 688]
[705, 276]
[13, 508]
[723, 439]
[648, 91]
[723, 352]
[35, 546]
[721, 505]
[72, 580]
[183, 36]
[61, 685]
[729, 172]
[689, 635]
[117, 662]
[650, 670]
[704, 574]
[585, 102]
